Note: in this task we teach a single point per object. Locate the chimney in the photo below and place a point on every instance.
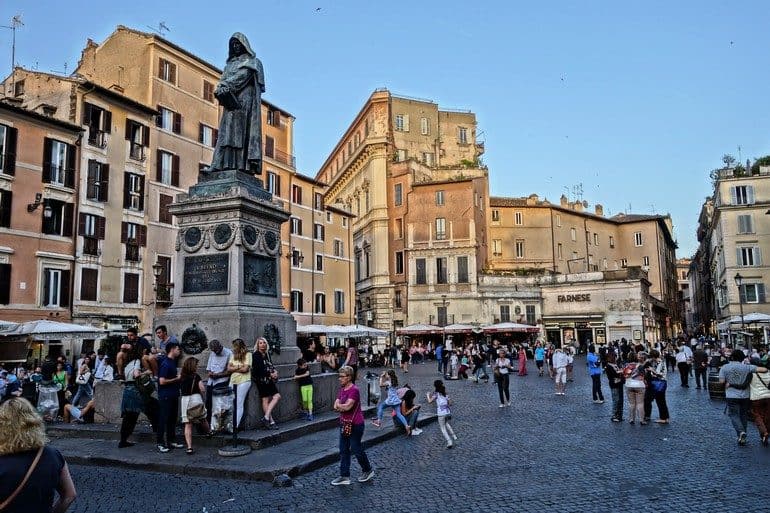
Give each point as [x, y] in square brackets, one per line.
[563, 201]
[599, 210]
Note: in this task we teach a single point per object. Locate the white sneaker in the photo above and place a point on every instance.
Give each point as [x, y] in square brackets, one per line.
[508, 403]
[366, 476]
[501, 405]
[341, 481]
[454, 436]
[416, 432]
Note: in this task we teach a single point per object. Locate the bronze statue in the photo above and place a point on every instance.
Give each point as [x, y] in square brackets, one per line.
[239, 144]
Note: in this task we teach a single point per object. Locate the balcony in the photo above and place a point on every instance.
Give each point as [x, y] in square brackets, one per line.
[90, 246]
[132, 252]
[280, 156]
[136, 152]
[164, 293]
[97, 138]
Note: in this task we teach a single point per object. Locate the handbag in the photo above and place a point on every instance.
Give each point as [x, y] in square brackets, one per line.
[659, 385]
[346, 428]
[144, 384]
[83, 379]
[197, 411]
[23, 483]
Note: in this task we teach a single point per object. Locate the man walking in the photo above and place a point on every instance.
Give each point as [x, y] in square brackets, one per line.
[737, 391]
[560, 362]
[682, 366]
[700, 360]
[168, 396]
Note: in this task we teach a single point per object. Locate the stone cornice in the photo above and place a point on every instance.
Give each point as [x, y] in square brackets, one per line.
[364, 156]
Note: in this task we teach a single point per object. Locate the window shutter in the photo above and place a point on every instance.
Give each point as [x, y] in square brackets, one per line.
[277, 185]
[159, 117]
[141, 235]
[757, 255]
[47, 149]
[406, 122]
[749, 224]
[177, 128]
[87, 109]
[159, 166]
[105, 178]
[68, 219]
[69, 174]
[175, 170]
[5, 284]
[750, 194]
[141, 193]
[107, 122]
[276, 118]
[64, 288]
[733, 196]
[214, 137]
[82, 224]
[761, 292]
[129, 124]
[6, 198]
[100, 226]
[126, 194]
[200, 132]
[738, 257]
[145, 135]
[123, 232]
[9, 159]
[46, 286]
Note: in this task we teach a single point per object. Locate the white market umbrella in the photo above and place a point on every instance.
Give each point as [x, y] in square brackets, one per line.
[359, 330]
[419, 329]
[52, 330]
[505, 327]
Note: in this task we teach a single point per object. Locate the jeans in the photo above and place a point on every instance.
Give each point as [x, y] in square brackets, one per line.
[481, 369]
[651, 395]
[635, 403]
[701, 376]
[617, 403]
[352, 445]
[440, 364]
[86, 391]
[411, 419]
[395, 407]
[169, 411]
[738, 411]
[596, 389]
[503, 383]
[446, 429]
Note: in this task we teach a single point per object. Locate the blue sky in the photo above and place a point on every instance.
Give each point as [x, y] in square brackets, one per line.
[635, 102]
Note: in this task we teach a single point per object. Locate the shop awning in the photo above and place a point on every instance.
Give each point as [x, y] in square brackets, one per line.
[510, 327]
[420, 329]
[45, 329]
[452, 329]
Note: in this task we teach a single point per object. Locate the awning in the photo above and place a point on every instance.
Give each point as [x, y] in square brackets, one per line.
[359, 330]
[510, 327]
[45, 329]
[452, 329]
[420, 329]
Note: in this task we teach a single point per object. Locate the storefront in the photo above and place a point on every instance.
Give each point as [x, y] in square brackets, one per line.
[586, 330]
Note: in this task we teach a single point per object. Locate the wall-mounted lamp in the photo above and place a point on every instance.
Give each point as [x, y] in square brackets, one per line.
[295, 256]
[31, 207]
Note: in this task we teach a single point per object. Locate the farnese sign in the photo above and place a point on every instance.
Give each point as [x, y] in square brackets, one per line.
[573, 298]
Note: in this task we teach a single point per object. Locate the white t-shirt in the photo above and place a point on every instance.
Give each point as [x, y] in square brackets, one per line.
[217, 364]
[442, 405]
[502, 365]
[560, 359]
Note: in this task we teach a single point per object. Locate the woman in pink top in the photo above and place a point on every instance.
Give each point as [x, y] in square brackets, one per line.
[348, 403]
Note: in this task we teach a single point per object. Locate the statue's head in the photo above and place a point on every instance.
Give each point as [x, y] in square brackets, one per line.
[239, 45]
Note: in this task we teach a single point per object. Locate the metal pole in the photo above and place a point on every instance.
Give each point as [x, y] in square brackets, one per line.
[235, 415]
[743, 325]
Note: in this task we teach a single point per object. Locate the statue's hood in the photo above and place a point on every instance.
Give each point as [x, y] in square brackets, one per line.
[245, 42]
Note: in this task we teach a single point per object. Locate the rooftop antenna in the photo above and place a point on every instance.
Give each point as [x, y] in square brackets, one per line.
[15, 23]
[161, 30]
[739, 153]
[577, 191]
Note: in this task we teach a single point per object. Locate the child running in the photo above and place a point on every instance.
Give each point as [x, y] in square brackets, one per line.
[389, 380]
[442, 410]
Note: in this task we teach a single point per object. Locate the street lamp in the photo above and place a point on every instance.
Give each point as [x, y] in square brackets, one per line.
[738, 282]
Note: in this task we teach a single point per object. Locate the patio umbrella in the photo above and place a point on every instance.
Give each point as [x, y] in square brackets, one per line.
[459, 328]
[419, 329]
[52, 330]
[359, 330]
[506, 327]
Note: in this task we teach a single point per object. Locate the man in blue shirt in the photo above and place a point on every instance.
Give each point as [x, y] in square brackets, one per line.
[168, 397]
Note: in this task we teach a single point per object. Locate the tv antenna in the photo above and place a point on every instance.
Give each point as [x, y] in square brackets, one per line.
[15, 23]
[161, 29]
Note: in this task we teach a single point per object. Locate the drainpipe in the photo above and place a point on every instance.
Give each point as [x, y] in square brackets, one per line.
[553, 245]
[585, 232]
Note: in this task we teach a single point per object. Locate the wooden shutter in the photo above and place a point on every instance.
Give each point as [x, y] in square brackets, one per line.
[46, 286]
[269, 147]
[47, 148]
[760, 292]
[87, 113]
[159, 166]
[9, 159]
[145, 135]
[130, 288]
[100, 227]
[69, 174]
[141, 235]
[82, 224]
[214, 137]
[177, 128]
[406, 122]
[175, 170]
[6, 198]
[742, 293]
[141, 193]
[105, 178]
[123, 232]
[129, 125]
[159, 117]
[5, 284]
[164, 200]
[88, 280]
[107, 122]
[750, 194]
[200, 132]
[68, 219]
[757, 255]
[64, 289]
[126, 193]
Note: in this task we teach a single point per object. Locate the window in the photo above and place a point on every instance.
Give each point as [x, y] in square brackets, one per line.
[505, 313]
[596, 239]
[357, 264]
[296, 300]
[573, 234]
[558, 220]
[612, 241]
[56, 287]
[133, 192]
[89, 278]
[138, 136]
[169, 120]
[5, 284]
[296, 194]
[328, 217]
[397, 198]
[402, 123]
[604, 264]
[398, 301]
[497, 247]
[646, 260]
[273, 183]
[61, 220]
[399, 262]
[320, 303]
[318, 201]
[91, 228]
[749, 256]
[167, 171]
[637, 239]
[273, 117]
[97, 181]
[59, 163]
[366, 200]
[427, 158]
[207, 135]
[131, 288]
[296, 258]
[208, 91]
[424, 126]
[296, 226]
[742, 195]
[530, 311]
[319, 262]
[588, 237]
[164, 216]
[401, 155]
[495, 216]
[318, 231]
[462, 135]
[269, 147]
[462, 269]
[338, 248]
[518, 218]
[18, 88]
[99, 123]
[339, 301]
[8, 136]
[559, 253]
[167, 71]
[441, 315]
[745, 224]
[420, 272]
[752, 293]
[6, 200]
[441, 270]
[439, 198]
[623, 263]
[519, 248]
[366, 261]
[344, 222]
[133, 236]
[400, 228]
[440, 228]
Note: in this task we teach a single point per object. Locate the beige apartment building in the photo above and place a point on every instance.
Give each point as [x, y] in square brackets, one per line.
[393, 143]
[683, 295]
[38, 205]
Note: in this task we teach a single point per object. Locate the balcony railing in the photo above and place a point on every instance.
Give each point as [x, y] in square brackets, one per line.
[132, 252]
[438, 320]
[164, 293]
[97, 138]
[280, 156]
[136, 152]
[90, 246]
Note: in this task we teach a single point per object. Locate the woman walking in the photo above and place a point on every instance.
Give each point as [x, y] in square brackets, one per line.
[265, 375]
[635, 387]
[522, 361]
[615, 378]
[348, 404]
[192, 391]
[502, 368]
[442, 411]
[655, 374]
[240, 377]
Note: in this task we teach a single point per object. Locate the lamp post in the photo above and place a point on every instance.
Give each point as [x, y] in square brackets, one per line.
[738, 282]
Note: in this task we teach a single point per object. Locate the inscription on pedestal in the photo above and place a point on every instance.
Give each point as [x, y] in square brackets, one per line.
[206, 273]
[259, 275]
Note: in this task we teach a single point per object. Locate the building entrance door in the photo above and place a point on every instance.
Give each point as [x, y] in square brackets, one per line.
[585, 338]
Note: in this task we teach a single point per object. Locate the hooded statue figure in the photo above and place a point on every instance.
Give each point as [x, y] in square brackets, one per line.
[239, 143]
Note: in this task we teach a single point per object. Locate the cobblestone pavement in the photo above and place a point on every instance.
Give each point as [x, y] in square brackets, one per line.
[544, 453]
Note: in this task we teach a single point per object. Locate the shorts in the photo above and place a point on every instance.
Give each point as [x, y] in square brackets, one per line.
[267, 389]
[75, 412]
[561, 375]
[306, 395]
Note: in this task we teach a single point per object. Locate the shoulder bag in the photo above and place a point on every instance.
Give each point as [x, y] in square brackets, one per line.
[83, 379]
[196, 412]
[23, 483]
